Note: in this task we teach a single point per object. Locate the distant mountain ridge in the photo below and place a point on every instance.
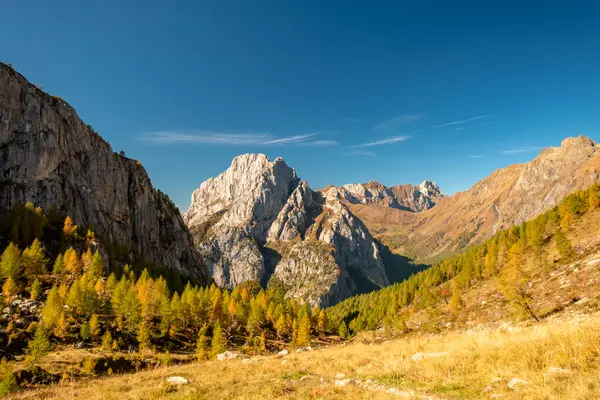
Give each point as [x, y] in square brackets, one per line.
[508, 196]
[404, 197]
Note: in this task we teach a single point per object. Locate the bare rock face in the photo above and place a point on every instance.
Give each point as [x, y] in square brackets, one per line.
[230, 216]
[403, 197]
[258, 220]
[417, 198]
[295, 217]
[50, 157]
[336, 258]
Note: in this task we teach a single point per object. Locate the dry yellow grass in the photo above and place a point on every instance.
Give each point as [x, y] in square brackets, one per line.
[473, 362]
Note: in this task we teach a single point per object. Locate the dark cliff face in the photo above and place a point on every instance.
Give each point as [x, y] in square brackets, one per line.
[50, 157]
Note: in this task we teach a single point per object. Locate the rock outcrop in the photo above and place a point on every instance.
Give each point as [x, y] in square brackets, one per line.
[403, 197]
[258, 220]
[230, 216]
[417, 198]
[48, 156]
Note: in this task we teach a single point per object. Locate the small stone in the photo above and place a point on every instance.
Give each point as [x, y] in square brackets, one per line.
[344, 382]
[488, 389]
[515, 382]
[340, 376]
[283, 362]
[582, 301]
[177, 380]
[556, 371]
[283, 353]
[496, 380]
[421, 356]
[228, 355]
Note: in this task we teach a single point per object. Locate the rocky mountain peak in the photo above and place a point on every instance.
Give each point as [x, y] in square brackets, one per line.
[257, 220]
[430, 188]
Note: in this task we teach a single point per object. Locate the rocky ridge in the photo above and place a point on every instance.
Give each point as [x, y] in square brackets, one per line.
[404, 197]
[258, 220]
[48, 156]
[508, 196]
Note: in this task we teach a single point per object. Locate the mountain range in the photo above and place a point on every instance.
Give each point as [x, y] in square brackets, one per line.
[259, 221]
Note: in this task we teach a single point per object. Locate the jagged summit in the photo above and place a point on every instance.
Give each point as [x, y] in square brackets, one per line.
[404, 197]
[258, 220]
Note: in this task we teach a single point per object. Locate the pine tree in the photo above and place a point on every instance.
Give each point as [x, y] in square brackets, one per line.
[202, 344]
[565, 222]
[456, 302]
[130, 309]
[563, 244]
[52, 309]
[59, 265]
[86, 260]
[9, 289]
[143, 336]
[33, 259]
[107, 341]
[84, 331]
[218, 343]
[256, 319]
[72, 262]
[514, 282]
[262, 343]
[10, 262]
[35, 290]
[322, 322]
[281, 327]
[38, 347]
[303, 336]
[343, 330]
[69, 228]
[96, 268]
[62, 327]
[94, 327]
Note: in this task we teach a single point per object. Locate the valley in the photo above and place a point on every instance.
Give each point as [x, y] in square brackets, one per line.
[265, 287]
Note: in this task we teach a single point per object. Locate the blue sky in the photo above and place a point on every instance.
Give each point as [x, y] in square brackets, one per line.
[344, 91]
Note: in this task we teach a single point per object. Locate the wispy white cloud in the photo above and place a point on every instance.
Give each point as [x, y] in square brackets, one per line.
[320, 143]
[462, 121]
[173, 137]
[460, 128]
[520, 150]
[232, 139]
[292, 139]
[476, 156]
[392, 124]
[389, 140]
[360, 153]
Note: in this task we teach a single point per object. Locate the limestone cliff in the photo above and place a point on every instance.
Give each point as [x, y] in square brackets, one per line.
[230, 215]
[257, 220]
[50, 157]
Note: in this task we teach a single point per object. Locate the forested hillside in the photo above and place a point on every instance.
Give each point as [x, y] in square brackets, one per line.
[510, 260]
[58, 290]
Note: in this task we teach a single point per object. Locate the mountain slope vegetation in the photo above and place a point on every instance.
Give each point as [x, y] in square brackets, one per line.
[514, 266]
